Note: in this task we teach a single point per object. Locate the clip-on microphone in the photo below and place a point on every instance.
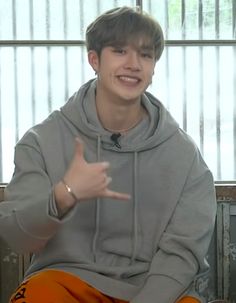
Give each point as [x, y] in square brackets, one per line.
[114, 137]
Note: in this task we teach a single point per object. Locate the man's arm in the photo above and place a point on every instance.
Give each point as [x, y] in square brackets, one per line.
[84, 181]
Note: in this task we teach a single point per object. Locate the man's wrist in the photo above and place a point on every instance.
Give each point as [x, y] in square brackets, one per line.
[64, 200]
[69, 190]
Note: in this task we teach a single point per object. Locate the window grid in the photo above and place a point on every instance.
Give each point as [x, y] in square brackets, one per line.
[33, 43]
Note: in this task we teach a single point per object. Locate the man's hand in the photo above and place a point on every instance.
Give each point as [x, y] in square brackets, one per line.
[86, 180]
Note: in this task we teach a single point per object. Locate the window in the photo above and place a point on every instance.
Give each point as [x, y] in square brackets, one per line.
[43, 61]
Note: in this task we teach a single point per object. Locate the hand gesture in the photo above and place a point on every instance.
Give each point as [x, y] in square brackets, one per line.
[89, 180]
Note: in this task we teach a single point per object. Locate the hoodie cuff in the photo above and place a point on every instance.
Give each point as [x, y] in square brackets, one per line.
[159, 289]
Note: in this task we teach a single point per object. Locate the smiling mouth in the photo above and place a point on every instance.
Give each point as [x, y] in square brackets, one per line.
[130, 80]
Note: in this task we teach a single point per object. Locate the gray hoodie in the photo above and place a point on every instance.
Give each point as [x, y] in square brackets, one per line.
[149, 249]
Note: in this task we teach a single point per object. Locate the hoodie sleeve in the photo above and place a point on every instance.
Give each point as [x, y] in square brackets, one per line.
[184, 244]
[26, 216]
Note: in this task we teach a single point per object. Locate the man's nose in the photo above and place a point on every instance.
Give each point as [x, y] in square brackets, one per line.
[133, 61]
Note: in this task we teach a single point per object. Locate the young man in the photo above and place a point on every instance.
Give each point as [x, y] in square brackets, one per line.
[112, 198]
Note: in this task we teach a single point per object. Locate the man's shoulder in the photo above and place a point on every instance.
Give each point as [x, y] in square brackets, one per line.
[46, 128]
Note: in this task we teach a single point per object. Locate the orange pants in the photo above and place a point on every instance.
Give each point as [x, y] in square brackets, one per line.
[53, 286]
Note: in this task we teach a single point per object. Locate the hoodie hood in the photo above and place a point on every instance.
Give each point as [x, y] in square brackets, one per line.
[152, 131]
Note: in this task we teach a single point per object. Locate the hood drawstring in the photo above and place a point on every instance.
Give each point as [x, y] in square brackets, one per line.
[135, 210]
[97, 214]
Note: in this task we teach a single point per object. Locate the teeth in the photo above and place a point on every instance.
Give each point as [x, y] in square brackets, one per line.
[128, 79]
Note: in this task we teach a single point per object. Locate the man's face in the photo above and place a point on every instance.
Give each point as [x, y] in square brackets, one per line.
[124, 72]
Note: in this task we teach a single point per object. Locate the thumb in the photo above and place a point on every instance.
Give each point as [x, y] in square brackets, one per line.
[79, 149]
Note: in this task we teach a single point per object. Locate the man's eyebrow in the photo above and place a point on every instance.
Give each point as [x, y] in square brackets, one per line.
[146, 47]
[142, 47]
[117, 44]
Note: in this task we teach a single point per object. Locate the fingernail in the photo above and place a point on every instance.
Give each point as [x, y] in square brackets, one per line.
[106, 164]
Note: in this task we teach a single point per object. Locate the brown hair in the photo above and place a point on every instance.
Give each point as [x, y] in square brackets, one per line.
[122, 26]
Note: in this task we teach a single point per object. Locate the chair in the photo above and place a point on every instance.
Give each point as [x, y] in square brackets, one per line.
[12, 265]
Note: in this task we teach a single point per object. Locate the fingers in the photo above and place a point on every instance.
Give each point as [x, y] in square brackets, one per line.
[116, 195]
[107, 193]
[108, 181]
[99, 167]
[79, 151]
[95, 174]
[79, 148]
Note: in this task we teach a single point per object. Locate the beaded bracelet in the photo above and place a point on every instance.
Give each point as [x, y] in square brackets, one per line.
[69, 190]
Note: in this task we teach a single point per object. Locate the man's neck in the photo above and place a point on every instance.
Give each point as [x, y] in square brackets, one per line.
[119, 115]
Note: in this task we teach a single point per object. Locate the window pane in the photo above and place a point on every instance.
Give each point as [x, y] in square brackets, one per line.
[197, 84]
[50, 19]
[195, 19]
[38, 80]
[201, 96]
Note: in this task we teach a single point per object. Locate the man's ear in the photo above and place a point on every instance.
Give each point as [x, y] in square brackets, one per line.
[93, 60]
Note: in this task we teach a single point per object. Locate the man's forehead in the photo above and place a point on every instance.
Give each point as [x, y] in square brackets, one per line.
[136, 43]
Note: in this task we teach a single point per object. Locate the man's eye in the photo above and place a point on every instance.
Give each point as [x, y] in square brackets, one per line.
[147, 55]
[119, 50]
